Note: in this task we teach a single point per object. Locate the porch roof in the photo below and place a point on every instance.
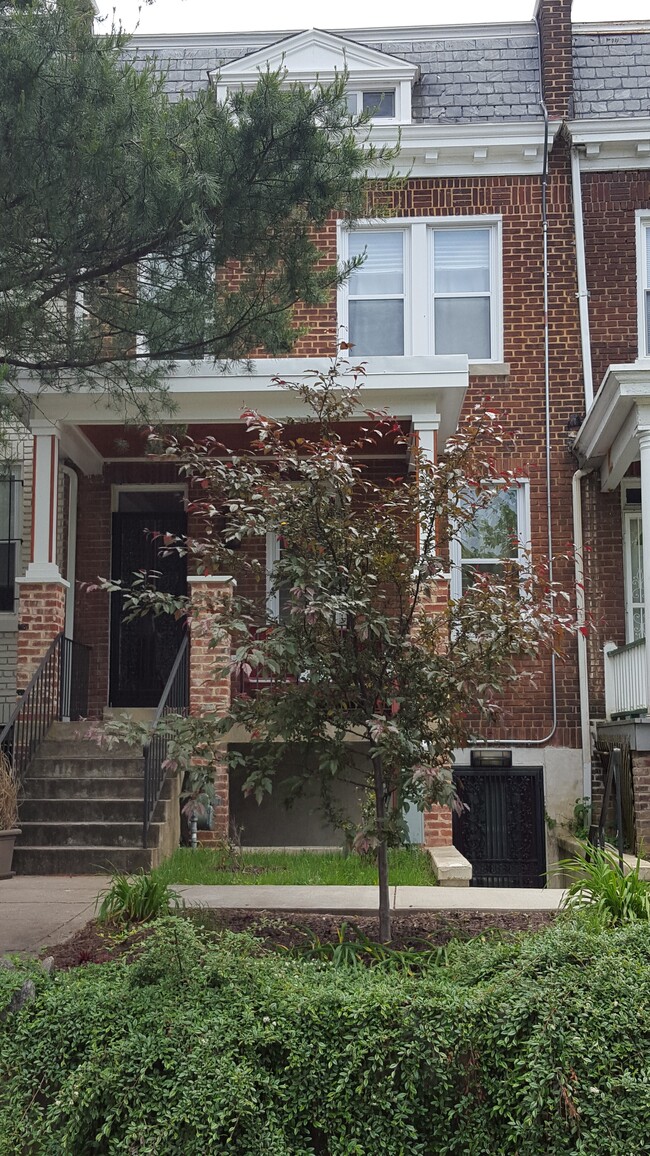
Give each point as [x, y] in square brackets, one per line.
[428, 390]
[608, 438]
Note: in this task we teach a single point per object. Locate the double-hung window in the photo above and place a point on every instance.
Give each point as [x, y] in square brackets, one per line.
[498, 533]
[376, 292]
[643, 282]
[462, 274]
[426, 286]
[633, 560]
[379, 103]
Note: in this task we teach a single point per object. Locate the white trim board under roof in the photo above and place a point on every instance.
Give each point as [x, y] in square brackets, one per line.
[316, 55]
[431, 149]
[608, 144]
[395, 34]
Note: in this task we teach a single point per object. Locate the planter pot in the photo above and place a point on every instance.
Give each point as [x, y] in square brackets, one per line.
[7, 840]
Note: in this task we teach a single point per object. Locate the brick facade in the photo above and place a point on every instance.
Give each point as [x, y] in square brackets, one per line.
[210, 683]
[481, 79]
[42, 617]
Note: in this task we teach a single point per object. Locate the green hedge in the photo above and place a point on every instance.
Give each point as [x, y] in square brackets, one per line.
[202, 1046]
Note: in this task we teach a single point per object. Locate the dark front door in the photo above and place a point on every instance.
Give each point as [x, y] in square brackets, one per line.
[501, 829]
[143, 651]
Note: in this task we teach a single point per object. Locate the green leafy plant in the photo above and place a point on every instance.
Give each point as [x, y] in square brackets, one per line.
[354, 949]
[611, 896]
[136, 899]
[581, 817]
[534, 1046]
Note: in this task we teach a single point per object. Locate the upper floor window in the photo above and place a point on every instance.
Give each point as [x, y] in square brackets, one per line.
[643, 282]
[498, 533]
[425, 286]
[379, 103]
[633, 560]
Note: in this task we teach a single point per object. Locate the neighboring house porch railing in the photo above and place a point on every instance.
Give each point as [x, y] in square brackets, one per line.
[626, 689]
[175, 699]
[57, 691]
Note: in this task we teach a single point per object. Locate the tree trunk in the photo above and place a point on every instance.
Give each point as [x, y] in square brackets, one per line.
[382, 852]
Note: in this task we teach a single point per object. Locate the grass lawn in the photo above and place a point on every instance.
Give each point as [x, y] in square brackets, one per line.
[407, 867]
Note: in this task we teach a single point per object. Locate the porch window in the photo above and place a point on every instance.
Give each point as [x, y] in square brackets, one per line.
[633, 561]
[498, 533]
[10, 491]
[277, 596]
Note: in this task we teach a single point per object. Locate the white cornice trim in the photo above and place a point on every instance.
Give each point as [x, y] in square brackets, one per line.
[436, 150]
[608, 435]
[611, 144]
[611, 28]
[399, 34]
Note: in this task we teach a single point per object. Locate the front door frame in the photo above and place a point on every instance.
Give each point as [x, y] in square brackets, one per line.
[118, 488]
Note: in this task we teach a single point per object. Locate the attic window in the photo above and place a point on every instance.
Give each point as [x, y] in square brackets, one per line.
[380, 103]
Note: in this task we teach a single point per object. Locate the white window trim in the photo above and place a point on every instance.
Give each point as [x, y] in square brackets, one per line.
[144, 487]
[629, 512]
[358, 89]
[272, 559]
[418, 278]
[522, 486]
[642, 242]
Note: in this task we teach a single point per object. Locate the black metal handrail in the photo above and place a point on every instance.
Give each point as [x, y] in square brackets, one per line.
[57, 690]
[175, 699]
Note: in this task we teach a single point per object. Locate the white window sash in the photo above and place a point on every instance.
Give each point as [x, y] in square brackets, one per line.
[523, 542]
[272, 558]
[419, 338]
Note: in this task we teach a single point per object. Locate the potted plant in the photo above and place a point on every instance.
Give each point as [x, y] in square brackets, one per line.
[9, 828]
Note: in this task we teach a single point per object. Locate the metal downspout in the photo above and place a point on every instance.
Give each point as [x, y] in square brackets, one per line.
[581, 270]
[583, 680]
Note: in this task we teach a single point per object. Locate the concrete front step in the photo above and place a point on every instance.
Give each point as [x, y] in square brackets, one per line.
[81, 860]
[79, 767]
[67, 834]
[83, 810]
[96, 787]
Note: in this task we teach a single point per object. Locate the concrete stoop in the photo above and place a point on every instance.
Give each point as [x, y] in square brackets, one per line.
[82, 809]
[451, 869]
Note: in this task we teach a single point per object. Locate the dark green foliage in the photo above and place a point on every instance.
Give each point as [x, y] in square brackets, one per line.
[598, 886]
[538, 1047]
[136, 899]
[100, 173]
[354, 949]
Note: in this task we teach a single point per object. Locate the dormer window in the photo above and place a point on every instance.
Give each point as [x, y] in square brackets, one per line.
[376, 82]
[379, 103]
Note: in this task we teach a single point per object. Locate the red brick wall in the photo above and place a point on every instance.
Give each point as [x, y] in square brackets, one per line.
[610, 201]
[42, 617]
[554, 21]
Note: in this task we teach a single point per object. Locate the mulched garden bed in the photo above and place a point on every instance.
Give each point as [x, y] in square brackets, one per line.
[94, 944]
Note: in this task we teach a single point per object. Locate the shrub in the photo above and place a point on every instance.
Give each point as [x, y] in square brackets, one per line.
[529, 1047]
[613, 898]
[136, 899]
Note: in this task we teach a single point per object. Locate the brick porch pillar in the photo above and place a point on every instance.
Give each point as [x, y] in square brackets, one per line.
[210, 684]
[437, 827]
[42, 597]
[42, 617]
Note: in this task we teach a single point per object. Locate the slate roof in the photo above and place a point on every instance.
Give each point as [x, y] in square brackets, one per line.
[479, 78]
[611, 74]
[490, 76]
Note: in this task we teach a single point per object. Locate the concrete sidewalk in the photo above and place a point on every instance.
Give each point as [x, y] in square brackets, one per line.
[37, 910]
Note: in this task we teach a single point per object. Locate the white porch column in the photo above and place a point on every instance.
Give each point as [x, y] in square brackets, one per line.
[644, 454]
[43, 565]
[426, 432]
